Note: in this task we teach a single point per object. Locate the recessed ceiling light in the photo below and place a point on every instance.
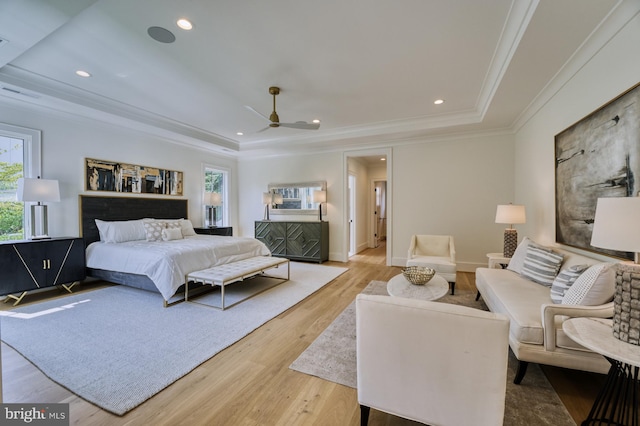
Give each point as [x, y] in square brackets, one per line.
[316, 121]
[383, 159]
[239, 133]
[185, 24]
[438, 101]
[83, 73]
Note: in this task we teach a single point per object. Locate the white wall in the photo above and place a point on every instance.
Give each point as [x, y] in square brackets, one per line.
[67, 140]
[255, 174]
[452, 186]
[610, 72]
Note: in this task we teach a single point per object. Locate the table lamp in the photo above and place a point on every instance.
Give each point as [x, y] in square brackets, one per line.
[320, 196]
[616, 226]
[212, 200]
[40, 191]
[267, 199]
[510, 214]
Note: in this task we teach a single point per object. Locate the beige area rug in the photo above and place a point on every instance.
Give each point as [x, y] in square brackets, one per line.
[332, 356]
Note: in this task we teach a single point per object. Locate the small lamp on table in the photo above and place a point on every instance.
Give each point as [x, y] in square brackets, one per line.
[510, 214]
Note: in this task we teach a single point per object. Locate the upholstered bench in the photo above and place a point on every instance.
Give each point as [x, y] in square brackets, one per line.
[228, 273]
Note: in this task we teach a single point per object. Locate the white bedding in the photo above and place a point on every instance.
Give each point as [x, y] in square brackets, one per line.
[167, 262]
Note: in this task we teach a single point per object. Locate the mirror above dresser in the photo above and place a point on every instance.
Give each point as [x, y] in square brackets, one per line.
[297, 197]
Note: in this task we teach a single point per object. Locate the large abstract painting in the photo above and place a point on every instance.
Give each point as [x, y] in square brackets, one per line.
[597, 157]
[120, 177]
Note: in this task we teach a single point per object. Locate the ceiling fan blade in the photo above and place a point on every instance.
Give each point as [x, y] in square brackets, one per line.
[301, 125]
[262, 130]
[256, 112]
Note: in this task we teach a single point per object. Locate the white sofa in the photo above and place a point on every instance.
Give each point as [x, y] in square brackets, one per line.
[535, 332]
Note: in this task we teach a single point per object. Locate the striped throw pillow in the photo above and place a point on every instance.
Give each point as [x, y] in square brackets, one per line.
[564, 280]
[541, 265]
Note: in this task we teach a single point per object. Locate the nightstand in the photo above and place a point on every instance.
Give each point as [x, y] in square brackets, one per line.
[225, 231]
[498, 259]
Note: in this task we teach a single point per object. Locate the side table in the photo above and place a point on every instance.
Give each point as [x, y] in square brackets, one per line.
[226, 231]
[617, 402]
[399, 286]
[498, 259]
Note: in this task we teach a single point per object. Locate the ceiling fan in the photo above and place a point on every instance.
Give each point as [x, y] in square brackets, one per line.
[275, 120]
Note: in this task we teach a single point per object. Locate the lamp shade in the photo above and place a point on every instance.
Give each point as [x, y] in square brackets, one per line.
[278, 199]
[267, 198]
[40, 190]
[510, 213]
[212, 199]
[319, 196]
[616, 224]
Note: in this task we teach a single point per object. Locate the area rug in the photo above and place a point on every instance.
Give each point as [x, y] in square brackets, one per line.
[332, 356]
[116, 347]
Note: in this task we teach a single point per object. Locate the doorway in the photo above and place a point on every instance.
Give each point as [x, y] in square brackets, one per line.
[352, 214]
[379, 212]
[361, 170]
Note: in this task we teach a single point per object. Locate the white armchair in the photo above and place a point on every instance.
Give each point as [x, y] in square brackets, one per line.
[437, 252]
[425, 360]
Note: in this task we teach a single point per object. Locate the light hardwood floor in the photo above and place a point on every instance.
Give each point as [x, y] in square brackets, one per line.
[250, 383]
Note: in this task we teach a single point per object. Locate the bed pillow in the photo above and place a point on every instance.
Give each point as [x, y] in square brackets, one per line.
[121, 231]
[541, 265]
[153, 229]
[517, 260]
[187, 228]
[594, 286]
[564, 280]
[170, 234]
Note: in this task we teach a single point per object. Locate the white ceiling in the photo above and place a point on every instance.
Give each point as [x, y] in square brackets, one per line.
[369, 70]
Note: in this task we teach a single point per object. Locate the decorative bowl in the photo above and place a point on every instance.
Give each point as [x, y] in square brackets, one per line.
[418, 275]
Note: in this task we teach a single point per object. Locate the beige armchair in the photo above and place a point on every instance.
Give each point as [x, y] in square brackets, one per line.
[431, 362]
[437, 252]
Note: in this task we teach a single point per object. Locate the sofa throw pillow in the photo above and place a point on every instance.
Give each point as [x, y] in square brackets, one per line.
[517, 260]
[564, 280]
[541, 265]
[594, 286]
[153, 229]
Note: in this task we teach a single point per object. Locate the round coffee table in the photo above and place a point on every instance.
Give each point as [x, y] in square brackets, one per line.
[437, 287]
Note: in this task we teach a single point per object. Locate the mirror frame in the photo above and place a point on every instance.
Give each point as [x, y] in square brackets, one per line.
[313, 184]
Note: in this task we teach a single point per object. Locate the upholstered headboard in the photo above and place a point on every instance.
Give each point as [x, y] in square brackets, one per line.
[125, 208]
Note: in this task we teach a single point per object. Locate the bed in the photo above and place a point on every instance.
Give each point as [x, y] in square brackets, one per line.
[161, 265]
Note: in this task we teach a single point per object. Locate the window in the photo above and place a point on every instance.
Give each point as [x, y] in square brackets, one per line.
[216, 180]
[19, 157]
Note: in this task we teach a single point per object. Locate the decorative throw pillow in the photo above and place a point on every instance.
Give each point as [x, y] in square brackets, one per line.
[541, 265]
[153, 229]
[169, 234]
[594, 286]
[564, 280]
[185, 225]
[517, 260]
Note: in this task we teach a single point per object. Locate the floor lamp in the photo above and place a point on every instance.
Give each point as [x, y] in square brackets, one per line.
[38, 191]
[510, 214]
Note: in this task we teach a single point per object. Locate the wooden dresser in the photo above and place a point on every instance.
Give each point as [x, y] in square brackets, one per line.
[306, 241]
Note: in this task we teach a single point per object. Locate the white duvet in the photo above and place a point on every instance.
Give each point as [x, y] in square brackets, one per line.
[167, 262]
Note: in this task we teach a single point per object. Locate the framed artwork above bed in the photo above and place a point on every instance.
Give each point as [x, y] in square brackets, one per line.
[122, 177]
[597, 157]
